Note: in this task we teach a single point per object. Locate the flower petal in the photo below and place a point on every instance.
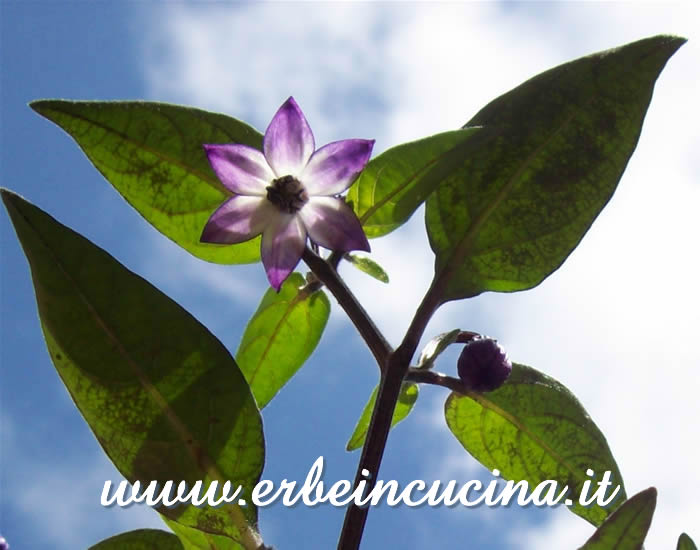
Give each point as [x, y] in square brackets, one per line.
[240, 168]
[335, 166]
[288, 142]
[332, 224]
[283, 243]
[239, 219]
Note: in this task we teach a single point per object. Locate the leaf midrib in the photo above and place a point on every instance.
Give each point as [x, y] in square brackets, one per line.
[491, 406]
[195, 449]
[213, 182]
[629, 524]
[291, 304]
[462, 249]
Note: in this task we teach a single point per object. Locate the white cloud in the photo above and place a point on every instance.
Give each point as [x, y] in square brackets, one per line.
[245, 59]
[564, 531]
[618, 322]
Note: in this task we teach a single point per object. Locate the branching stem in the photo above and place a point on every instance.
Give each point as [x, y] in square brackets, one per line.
[389, 389]
[394, 366]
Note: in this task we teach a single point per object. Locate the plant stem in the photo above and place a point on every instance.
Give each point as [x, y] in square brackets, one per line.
[394, 365]
[373, 449]
[389, 389]
[327, 274]
[421, 376]
[378, 434]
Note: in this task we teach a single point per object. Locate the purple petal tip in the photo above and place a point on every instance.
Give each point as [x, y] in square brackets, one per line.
[276, 278]
[208, 234]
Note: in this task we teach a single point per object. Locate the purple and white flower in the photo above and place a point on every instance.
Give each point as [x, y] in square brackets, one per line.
[286, 192]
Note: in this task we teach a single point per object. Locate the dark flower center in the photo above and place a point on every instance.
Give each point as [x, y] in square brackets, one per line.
[288, 194]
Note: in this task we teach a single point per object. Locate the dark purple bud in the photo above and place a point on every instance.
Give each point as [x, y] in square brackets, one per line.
[483, 365]
[3, 544]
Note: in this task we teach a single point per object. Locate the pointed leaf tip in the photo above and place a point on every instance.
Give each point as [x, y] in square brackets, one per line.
[685, 543]
[516, 209]
[368, 266]
[533, 428]
[13, 202]
[7, 195]
[627, 527]
[152, 154]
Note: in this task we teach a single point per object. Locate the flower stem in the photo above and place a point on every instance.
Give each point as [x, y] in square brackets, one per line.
[420, 376]
[327, 274]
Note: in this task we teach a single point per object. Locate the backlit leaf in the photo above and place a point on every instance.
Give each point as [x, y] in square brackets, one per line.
[435, 347]
[192, 539]
[141, 539]
[152, 154]
[532, 428]
[685, 543]
[162, 395]
[367, 265]
[627, 528]
[280, 337]
[394, 184]
[516, 209]
[404, 405]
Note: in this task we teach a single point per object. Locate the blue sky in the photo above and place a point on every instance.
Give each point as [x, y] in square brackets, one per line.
[617, 324]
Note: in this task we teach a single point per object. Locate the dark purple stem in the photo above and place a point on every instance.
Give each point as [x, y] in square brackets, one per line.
[420, 376]
[326, 272]
[389, 389]
[394, 367]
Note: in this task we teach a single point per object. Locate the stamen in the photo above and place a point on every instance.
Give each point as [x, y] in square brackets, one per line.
[288, 194]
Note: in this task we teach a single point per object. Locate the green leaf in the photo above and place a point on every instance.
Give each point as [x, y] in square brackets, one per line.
[192, 539]
[394, 184]
[141, 539]
[162, 395]
[152, 154]
[532, 428]
[404, 405]
[627, 528]
[367, 265]
[280, 337]
[516, 209]
[435, 347]
[685, 543]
